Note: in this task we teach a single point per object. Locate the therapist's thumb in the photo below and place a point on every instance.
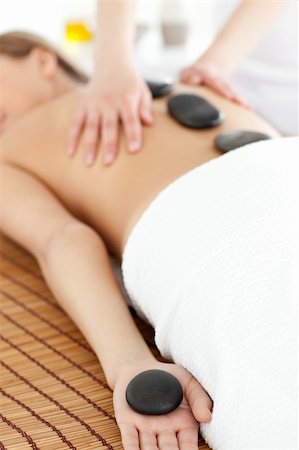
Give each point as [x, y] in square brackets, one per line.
[191, 75]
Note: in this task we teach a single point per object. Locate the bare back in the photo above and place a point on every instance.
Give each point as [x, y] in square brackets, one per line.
[111, 199]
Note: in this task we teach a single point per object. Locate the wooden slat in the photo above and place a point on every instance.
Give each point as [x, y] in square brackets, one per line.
[53, 391]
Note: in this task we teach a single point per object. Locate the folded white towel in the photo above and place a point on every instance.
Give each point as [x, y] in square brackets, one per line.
[212, 266]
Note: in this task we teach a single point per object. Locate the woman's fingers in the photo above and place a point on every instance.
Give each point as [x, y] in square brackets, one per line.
[167, 440]
[110, 136]
[129, 436]
[188, 438]
[148, 440]
[199, 401]
[75, 130]
[92, 131]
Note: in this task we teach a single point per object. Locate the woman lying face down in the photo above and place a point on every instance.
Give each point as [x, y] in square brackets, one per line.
[73, 217]
[39, 106]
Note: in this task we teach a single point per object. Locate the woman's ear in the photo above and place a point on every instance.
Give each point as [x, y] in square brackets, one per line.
[45, 61]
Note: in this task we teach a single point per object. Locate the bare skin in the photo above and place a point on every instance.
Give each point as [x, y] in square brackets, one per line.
[117, 92]
[111, 199]
[68, 215]
[231, 45]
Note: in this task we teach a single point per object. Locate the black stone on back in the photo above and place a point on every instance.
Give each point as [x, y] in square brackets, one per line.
[194, 111]
[159, 88]
[230, 140]
[154, 392]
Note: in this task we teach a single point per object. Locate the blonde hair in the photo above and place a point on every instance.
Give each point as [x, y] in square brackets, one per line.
[18, 44]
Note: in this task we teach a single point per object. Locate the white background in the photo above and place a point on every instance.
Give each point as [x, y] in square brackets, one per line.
[48, 18]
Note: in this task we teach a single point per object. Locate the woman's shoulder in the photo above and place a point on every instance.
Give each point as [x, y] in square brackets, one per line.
[38, 123]
[42, 122]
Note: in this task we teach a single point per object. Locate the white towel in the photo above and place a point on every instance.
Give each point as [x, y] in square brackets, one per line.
[212, 266]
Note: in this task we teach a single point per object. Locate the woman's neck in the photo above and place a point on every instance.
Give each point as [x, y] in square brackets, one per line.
[63, 84]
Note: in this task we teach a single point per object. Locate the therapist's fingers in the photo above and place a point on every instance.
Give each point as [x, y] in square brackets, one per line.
[76, 129]
[131, 123]
[110, 125]
[223, 87]
[92, 133]
[219, 86]
[145, 109]
[200, 74]
[191, 76]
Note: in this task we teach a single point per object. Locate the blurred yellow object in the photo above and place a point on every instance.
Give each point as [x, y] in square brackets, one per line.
[78, 31]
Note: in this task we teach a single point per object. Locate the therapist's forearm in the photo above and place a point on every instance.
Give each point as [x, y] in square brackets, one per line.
[242, 32]
[115, 30]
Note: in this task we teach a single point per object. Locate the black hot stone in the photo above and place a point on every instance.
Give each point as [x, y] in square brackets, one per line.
[230, 140]
[154, 392]
[159, 88]
[194, 111]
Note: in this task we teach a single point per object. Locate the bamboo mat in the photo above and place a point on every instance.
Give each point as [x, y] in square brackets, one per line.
[53, 391]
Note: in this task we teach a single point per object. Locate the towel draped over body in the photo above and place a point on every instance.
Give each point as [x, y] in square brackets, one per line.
[212, 266]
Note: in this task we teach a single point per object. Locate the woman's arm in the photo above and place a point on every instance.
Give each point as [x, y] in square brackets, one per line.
[76, 266]
[75, 263]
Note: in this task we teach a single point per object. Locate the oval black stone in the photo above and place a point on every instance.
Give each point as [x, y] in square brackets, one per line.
[159, 88]
[194, 111]
[154, 392]
[230, 140]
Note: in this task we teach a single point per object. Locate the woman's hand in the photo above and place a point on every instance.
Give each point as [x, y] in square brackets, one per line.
[178, 429]
[116, 94]
[210, 75]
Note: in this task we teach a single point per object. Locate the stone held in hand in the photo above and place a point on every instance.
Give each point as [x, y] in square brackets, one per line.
[154, 392]
[230, 140]
[159, 88]
[194, 111]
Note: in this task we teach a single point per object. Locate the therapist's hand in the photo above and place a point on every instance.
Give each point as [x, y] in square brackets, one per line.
[116, 95]
[207, 74]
